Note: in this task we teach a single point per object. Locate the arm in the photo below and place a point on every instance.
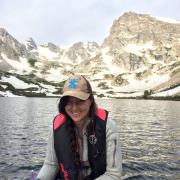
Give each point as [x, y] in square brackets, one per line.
[113, 153]
[50, 168]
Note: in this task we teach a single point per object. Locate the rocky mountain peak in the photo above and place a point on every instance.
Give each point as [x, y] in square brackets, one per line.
[51, 46]
[30, 44]
[10, 46]
[82, 51]
[139, 28]
[3, 32]
[134, 39]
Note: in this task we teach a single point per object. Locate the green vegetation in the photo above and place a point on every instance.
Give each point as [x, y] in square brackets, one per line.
[1, 88]
[26, 78]
[110, 92]
[172, 98]
[175, 71]
[142, 75]
[5, 74]
[103, 85]
[9, 86]
[32, 61]
[54, 64]
[59, 91]
[120, 81]
[108, 76]
[22, 92]
[147, 93]
[100, 95]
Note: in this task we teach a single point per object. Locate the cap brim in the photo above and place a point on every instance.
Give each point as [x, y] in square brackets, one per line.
[77, 94]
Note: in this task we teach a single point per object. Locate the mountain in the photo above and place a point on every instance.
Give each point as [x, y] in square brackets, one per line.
[11, 48]
[139, 58]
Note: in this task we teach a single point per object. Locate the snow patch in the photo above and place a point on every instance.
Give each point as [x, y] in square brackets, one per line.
[21, 66]
[138, 49]
[55, 75]
[18, 84]
[111, 69]
[170, 92]
[7, 94]
[47, 53]
[173, 21]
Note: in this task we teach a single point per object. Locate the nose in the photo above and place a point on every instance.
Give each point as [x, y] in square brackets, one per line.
[74, 106]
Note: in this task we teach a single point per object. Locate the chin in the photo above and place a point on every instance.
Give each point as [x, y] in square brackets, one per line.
[76, 120]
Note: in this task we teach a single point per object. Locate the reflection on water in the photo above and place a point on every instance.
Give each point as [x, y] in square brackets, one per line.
[149, 134]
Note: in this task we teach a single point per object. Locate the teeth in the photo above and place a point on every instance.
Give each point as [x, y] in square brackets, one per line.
[75, 113]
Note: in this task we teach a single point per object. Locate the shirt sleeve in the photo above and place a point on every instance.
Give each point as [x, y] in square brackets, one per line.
[113, 153]
[50, 168]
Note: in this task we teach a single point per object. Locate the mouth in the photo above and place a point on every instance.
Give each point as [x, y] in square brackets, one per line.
[75, 114]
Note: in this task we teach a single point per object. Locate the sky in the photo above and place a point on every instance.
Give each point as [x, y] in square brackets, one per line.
[64, 22]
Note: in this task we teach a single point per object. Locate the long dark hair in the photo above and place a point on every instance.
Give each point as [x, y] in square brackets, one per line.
[71, 126]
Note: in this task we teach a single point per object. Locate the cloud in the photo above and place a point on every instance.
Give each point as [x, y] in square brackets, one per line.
[69, 21]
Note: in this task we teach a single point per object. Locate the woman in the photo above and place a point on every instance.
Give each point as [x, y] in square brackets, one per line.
[84, 142]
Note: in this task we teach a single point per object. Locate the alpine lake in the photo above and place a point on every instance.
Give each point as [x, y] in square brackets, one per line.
[149, 136]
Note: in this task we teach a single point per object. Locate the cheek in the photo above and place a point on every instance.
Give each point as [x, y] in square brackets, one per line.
[66, 109]
[88, 106]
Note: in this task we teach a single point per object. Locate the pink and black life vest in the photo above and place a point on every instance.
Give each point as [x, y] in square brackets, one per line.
[96, 149]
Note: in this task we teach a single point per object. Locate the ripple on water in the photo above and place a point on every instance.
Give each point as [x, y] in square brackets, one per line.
[149, 135]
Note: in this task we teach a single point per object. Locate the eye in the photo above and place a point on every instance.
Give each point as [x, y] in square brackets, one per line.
[80, 102]
[69, 103]
[77, 103]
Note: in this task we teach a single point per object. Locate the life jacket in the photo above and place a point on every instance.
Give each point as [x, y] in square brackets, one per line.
[96, 150]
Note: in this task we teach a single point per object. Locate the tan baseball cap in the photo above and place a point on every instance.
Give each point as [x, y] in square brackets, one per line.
[76, 86]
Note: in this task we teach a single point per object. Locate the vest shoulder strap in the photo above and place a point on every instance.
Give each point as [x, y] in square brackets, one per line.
[60, 118]
[101, 113]
[58, 121]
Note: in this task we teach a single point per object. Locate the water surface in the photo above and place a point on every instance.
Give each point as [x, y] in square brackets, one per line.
[149, 135]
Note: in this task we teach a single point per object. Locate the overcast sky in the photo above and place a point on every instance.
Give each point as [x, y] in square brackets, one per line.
[65, 22]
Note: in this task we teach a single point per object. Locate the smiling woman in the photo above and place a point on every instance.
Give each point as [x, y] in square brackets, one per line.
[78, 110]
[84, 142]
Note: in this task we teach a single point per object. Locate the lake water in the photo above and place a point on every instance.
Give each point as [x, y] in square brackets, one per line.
[149, 135]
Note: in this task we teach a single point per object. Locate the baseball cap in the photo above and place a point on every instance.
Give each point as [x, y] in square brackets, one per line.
[76, 86]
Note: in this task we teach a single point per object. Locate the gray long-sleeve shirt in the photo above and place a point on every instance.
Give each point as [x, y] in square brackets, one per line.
[114, 161]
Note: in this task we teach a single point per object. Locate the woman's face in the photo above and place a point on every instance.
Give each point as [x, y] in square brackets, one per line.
[77, 109]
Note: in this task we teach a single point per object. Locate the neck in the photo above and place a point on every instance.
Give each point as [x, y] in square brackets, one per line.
[80, 125]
